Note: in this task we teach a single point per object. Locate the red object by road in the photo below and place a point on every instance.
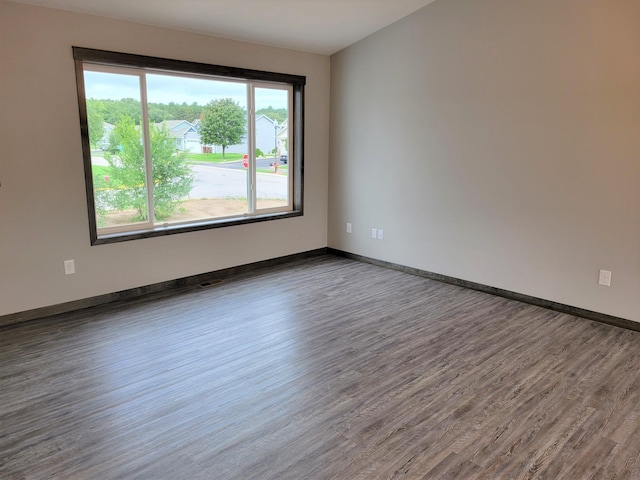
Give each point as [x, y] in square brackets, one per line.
[245, 161]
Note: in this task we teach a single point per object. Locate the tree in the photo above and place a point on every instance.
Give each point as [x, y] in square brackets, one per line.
[114, 142]
[224, 123]
[279, 114]
[96, 124]
[172, 177]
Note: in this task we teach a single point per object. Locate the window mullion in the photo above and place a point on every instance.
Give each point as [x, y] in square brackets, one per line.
[147, 147]
[251, 137]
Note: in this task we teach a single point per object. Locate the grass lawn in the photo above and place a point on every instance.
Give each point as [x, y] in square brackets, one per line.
[100, 169]
[99, 172]
[282, 170]
[214, 157]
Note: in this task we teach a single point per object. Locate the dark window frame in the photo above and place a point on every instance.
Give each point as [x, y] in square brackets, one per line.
[155, 64]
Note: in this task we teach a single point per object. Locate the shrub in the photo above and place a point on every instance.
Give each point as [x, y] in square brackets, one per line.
[172, 176]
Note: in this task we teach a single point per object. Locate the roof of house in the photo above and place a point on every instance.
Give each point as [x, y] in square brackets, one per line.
[177, 128]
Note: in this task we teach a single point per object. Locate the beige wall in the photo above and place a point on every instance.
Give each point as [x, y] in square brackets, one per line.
[493, 141]
[496, 141]
[43, 213]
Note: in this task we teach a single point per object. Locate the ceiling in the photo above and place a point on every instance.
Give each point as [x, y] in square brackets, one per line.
[316, 26]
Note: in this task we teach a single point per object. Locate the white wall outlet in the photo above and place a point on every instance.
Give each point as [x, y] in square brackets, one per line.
[380, 234]
[374, 233]
[604, 278]
[349, 228]
[69, 267]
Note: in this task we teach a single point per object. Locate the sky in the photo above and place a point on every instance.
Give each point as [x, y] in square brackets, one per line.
[170, 88]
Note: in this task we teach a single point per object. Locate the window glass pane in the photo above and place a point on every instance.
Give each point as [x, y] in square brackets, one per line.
[117, 152]
[172, 146]
[272, 147]
[198, 133]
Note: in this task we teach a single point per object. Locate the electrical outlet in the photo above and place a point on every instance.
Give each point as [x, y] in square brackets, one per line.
[374, 233]
[380, 234]
[349, 228]
[69, 267]
[605, 278]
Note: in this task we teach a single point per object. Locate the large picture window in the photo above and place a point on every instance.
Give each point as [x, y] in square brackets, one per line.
[172, 146]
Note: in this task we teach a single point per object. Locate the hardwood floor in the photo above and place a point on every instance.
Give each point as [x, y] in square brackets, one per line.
[325, 368]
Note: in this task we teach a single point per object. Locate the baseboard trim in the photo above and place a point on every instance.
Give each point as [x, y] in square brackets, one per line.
[539, 302]
[217, 275]
[161, 287]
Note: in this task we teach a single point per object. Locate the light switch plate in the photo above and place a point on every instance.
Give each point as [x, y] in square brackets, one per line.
[604, 278]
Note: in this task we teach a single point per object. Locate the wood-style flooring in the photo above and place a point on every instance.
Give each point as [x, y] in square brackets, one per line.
[325, 368]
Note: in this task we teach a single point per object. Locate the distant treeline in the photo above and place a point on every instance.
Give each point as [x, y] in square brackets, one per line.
[112, 110]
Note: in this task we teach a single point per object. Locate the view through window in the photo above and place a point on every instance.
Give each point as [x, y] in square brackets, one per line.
[180, 148]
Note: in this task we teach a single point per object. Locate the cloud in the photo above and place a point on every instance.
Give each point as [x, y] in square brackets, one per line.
[178, 89]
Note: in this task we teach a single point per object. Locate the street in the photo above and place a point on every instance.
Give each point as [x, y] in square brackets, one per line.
[219, 182]
[229, 180]
[260, 163]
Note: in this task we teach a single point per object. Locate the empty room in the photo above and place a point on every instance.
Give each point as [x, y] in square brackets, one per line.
[352, 239]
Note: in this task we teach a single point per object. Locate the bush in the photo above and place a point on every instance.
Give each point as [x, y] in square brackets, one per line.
[172, 177]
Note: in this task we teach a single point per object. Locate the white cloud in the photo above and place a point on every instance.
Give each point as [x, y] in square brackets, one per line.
[177, 89]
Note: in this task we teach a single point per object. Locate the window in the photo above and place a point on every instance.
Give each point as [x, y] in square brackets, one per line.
[172, 146]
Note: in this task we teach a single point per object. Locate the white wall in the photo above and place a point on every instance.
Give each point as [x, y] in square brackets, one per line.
[43, 213]
[498, 142]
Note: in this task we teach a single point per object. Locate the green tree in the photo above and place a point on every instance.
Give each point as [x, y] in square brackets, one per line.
[113, 110]
[158, 112]
[114, 142]
[172, 177]
[224, 123]
[127, 173]
[96, 124]
[279, 114]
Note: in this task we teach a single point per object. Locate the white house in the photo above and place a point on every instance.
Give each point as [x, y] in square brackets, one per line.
[185, 134]
[283, 137]
[104, 141]
[269, 135]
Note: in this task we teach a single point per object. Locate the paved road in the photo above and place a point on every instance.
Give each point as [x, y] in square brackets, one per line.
[216, 182]
[260, 163]
[230, 180]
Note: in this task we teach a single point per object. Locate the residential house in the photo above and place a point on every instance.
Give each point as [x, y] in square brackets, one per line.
[267, 131]
[106, 136]
[283, 138]
[269, 135]
[185, 134]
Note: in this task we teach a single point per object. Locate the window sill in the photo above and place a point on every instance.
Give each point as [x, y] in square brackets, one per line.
[189, 227]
